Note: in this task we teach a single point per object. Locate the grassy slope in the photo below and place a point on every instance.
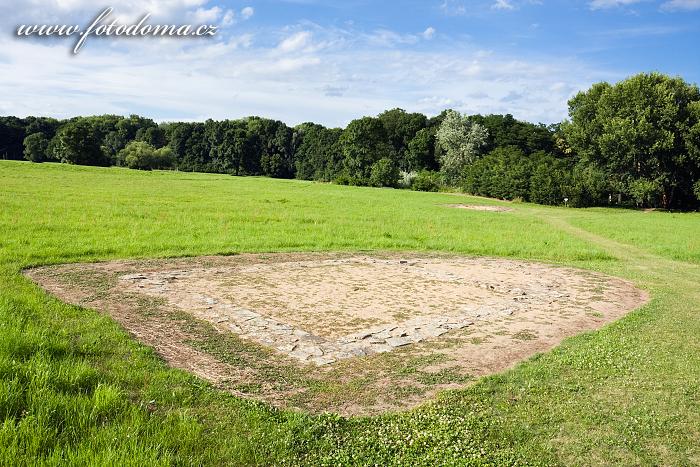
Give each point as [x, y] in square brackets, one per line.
[74, 387]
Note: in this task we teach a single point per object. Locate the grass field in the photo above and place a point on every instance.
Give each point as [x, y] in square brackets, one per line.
[76, 389]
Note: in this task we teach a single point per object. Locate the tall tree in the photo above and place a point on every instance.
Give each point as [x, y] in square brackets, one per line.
[317, 153]
[401, 127]
[79, 142]
[35, 146]
[12, 134]
[462, 141]
[643, 131]
[363, 143]
[420, 154]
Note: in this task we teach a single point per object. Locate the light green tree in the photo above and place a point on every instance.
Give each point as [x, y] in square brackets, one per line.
[141, 155]
[462, 142]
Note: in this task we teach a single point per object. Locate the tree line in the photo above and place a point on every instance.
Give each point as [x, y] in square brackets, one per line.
[635, 143]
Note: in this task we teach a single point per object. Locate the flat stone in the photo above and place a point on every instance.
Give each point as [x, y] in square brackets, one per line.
[398, 341]
[320, 361]
[358, 352]
[311, 351]
[375, 340]
[340, 355]
[298, 354]
[258, 322]
[244, 315]
[379, 348]
[399, 332]
[433, 331]
[287, 348]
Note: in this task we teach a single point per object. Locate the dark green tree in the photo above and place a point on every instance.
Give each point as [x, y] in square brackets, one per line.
[79, 142]
[12, 134]
[420, 154]
[35, 146]
[363, 143]
[401, 127]
[643, 132]
[317, 153]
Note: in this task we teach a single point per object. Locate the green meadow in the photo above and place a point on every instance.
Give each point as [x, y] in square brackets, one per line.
[75, 389]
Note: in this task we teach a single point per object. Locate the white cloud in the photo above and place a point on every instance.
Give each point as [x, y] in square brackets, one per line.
[607, 4]
[503, 5]
[229, 18]
[388, 38]
[247, 12]
[205, 15]
[453, 8]
[295, 42]
[313, 74]
[429, 33]
[681, 5]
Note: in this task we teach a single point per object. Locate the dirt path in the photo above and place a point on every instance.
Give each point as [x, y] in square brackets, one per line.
[663, 271]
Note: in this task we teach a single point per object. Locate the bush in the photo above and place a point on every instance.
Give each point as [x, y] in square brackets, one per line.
[645, 192]
[427, 180]
[342, 178]
[550, 181]
[406, 179]
[696, 190]
[504, 173]
[143, 156]
[384, 172]
[590, 186]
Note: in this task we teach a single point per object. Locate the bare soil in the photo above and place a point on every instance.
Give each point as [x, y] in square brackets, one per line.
[480, 207]
[350, 333]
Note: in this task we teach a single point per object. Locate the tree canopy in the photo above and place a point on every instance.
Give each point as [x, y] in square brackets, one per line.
[643, 132]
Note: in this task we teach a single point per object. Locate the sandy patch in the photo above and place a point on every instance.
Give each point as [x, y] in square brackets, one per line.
[479, 207]
[338, 316]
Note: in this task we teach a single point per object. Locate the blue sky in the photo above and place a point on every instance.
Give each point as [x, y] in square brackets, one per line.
[332, 61]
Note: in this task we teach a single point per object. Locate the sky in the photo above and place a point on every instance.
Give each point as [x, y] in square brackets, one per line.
[333, 61]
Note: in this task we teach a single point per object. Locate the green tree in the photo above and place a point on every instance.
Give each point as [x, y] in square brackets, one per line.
[363, 143]
[143, 156]
[317, 153]
[505, 130]
[426, 180]
[35, 146]
[384, 172]
[550, 180]
[643, 129]
[462, 141]
[78, 142]
[401, 127]
[12, 134]
[420, 154]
